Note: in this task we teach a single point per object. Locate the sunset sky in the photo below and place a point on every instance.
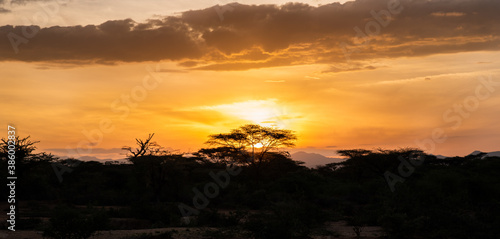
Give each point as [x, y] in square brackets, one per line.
[87, 77]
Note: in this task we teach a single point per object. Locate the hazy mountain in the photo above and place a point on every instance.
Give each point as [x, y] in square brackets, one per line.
[312, 159]
[490, 154]
[92, 158]
[440, 156]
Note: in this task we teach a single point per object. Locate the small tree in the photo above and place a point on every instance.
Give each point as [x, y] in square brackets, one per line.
[145, 148]
[24, 148]
[154, 164]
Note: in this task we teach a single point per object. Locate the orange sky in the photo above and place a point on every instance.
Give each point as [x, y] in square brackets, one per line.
[88, 90]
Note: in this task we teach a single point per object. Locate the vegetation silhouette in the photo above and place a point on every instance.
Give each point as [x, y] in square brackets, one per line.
[272, 197]
[145, 148]
[250, 143]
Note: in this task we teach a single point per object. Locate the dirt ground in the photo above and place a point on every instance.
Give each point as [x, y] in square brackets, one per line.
[340, 228]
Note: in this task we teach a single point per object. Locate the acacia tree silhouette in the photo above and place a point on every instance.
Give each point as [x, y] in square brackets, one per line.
[251, 142]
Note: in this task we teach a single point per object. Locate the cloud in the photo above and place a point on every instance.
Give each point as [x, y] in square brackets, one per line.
[448, 14]
[122, 40]
[24, 2]
[312, 77]
[172, 71]
[424, 79]
[348, 67]
[258, 36]
[198, 116]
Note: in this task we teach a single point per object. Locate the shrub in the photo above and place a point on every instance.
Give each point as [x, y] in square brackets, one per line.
[285, 221]
[69, 223]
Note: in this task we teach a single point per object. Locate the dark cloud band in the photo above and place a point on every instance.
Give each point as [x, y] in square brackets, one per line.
[239, 37]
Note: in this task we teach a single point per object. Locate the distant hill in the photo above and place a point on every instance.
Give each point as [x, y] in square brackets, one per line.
[92, 158]
[490, 154]
[312, 160]
[440, 156]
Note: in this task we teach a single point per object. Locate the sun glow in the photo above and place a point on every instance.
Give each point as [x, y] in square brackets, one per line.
[262, 112]
[261, 116]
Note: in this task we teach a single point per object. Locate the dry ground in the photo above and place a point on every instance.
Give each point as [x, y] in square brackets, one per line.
[196, 233]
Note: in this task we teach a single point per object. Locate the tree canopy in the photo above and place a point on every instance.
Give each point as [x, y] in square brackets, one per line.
[251, 142]
[24, 147]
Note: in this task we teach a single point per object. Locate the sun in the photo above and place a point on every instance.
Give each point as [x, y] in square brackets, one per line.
[258, 145]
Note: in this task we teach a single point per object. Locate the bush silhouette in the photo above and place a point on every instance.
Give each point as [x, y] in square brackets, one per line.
[69, 223]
